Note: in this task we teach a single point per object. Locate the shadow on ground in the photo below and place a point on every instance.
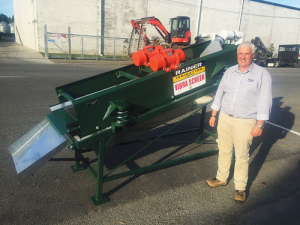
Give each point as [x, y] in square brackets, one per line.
[271, 134]
[166, 148]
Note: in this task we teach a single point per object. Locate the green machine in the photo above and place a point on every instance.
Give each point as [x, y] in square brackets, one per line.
[114, 107]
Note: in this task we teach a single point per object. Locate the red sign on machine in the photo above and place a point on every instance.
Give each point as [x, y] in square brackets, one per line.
[188, 78]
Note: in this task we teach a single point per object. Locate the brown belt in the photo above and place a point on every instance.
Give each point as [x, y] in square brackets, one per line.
[230, 115]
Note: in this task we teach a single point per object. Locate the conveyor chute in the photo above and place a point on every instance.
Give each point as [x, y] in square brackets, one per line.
[35, 148]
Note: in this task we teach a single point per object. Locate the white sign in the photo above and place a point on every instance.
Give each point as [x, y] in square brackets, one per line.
[63, 38]
[188, 78]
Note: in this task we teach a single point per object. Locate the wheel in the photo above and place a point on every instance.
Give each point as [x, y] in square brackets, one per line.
[297, 64]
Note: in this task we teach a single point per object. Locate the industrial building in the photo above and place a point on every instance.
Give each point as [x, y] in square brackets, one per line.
[4, 28]
[90, 20]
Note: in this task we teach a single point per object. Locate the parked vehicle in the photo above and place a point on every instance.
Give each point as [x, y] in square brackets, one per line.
[288, 55]
[263, 56]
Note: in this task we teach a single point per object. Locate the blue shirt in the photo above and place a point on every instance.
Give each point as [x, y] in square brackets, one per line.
[245, 95]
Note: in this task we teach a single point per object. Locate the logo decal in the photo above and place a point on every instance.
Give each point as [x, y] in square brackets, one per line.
[188, 78]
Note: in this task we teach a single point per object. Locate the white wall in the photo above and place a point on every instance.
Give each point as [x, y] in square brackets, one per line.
[273, 24]
[11, 28]
[26, 23]
[158, 8]
[4, 28]
[218, 15]
[119, 13]
[81, 16]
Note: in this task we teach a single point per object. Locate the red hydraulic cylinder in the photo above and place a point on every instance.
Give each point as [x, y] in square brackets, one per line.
[167, 60]
[142, 57]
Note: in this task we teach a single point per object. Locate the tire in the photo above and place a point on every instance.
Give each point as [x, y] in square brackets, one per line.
[297, 65]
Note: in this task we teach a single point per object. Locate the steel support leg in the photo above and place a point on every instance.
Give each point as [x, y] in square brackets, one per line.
[99, 199]
[201, 124]
[78, 166]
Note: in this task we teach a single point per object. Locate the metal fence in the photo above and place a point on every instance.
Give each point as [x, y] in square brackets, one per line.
[78, 46]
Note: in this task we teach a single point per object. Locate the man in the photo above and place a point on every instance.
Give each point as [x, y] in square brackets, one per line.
[244, 97]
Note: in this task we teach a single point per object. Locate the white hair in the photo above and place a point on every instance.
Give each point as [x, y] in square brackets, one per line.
[247, 44]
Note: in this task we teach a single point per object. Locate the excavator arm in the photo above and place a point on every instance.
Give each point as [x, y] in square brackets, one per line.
[136, 24]
[160, 29]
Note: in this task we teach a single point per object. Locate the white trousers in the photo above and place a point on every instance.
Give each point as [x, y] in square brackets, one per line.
[234, 132]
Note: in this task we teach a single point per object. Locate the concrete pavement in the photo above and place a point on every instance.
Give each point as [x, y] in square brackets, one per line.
[12, 52]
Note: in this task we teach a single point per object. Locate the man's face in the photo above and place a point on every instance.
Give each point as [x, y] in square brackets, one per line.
[245, 56]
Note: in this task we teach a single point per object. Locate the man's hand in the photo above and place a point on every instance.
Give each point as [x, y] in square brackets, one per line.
[212, 121]
[256, 131]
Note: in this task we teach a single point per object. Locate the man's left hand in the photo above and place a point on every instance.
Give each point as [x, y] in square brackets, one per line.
[256, 131]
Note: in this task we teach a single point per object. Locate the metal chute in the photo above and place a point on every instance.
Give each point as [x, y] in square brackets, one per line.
[35, 148]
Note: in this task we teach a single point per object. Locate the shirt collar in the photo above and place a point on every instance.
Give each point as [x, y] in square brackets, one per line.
[236, 69]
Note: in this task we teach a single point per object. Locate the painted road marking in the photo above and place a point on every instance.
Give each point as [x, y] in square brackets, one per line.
[12, 76]
[283, 128]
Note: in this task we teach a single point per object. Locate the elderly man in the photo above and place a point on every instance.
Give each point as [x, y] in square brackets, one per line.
[244, 97]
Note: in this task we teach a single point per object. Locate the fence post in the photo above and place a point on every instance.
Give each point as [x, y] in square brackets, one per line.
[96, 47]
[82, 46]
[69, 40]
[114, 47]
[46, 41]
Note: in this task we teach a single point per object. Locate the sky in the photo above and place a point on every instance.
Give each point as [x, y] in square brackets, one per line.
[6, 6]
[294, 3]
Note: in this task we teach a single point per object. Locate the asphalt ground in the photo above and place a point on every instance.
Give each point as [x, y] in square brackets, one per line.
[176, 195]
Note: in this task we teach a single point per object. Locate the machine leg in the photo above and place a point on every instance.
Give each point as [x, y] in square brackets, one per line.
[77, 167]
[201, 124]
[99, 198]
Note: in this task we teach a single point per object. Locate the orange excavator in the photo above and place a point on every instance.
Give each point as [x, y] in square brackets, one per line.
[178, 37]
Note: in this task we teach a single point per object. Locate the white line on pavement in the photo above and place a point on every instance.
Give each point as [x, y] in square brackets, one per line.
[283, 128]
[12, 76]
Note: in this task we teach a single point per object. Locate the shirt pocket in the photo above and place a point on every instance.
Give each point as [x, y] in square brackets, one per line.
[250, 87]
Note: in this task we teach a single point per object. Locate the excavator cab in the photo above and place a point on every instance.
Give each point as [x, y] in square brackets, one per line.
[180, 30]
